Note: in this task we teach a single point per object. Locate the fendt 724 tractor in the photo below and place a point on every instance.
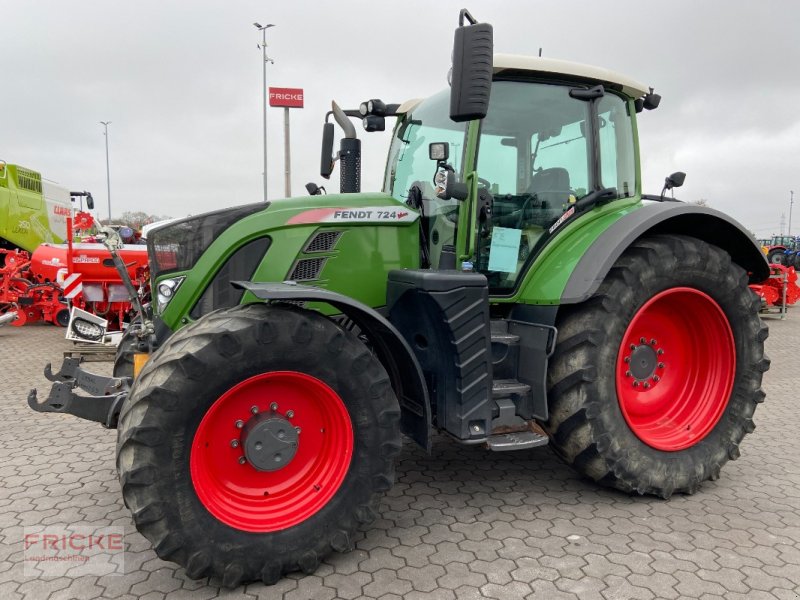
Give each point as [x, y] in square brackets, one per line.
[510, 287]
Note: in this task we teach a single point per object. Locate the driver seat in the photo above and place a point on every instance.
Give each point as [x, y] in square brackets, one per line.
[551, 187]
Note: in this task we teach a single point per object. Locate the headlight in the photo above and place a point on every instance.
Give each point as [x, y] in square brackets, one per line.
[87, 330]
[166, 290]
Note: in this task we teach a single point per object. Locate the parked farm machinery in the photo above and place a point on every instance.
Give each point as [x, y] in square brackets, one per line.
[781, 289]
[42, 286]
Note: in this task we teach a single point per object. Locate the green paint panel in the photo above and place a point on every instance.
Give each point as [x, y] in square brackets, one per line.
[546, 279]
[357, 266]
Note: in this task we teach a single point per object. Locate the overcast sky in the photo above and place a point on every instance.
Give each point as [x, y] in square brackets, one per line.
[181, 84]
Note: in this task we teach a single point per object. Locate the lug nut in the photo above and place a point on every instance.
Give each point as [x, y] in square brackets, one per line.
[289, 414]
[660, 352]
[234, 443]
[627, 359]
[274, 406]
[297, 429]
[660, 365]
[633, 346]
[239, 424]
[643, 340]
[635, 384]
[242, 460]
[628, 373]
[656, 378]
[653, 342]
[254, 410]
[646, 385]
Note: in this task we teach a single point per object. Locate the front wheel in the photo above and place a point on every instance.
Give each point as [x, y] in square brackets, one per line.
[255, 441]
[655, 378]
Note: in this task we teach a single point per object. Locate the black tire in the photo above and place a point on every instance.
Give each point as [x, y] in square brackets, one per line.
[587, 426]
[776, 257]
[175, 390]
[62, 318]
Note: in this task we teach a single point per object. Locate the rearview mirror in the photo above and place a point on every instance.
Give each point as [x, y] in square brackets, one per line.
[90, 202]
[326, 158]
[471, 79]
[675, 180]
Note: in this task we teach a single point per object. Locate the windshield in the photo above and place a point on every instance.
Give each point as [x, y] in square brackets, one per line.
[409, 165]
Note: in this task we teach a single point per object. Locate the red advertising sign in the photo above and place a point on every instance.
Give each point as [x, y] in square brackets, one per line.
[288, 97]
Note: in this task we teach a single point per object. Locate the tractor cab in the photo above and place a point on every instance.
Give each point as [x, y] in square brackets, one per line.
[546, 145]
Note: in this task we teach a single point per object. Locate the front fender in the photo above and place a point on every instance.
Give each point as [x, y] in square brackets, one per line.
[391, 348]
[704, 223]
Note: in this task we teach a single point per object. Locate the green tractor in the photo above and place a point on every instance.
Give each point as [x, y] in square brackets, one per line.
[510, 287]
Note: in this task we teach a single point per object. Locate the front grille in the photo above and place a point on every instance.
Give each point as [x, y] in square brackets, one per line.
[29, 180]
[324, 241]
[307, 269]
[241, 265]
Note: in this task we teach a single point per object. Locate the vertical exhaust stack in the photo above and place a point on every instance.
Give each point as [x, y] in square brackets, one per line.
[350, 157]
[349, 153]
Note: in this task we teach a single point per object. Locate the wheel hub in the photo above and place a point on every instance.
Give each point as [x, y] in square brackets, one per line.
[643, 362]
[270, 441]
[644, 366]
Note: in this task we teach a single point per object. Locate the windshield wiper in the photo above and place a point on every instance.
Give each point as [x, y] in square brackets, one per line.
[596, 197]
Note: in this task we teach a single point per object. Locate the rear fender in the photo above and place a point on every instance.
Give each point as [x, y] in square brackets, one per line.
[391, 348]
[700, 222]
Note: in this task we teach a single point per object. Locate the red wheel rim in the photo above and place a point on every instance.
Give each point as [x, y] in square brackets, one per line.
[246, 498]
[675, 369]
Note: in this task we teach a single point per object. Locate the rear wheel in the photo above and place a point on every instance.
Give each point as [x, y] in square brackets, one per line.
[656, 377]
[776, 256]
[255, 441]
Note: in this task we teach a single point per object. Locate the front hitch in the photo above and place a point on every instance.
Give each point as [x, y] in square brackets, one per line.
[102, 406]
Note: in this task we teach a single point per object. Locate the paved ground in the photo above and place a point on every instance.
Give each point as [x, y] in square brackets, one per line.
[462, 523]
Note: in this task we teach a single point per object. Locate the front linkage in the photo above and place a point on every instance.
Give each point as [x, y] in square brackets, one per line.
[107, 394]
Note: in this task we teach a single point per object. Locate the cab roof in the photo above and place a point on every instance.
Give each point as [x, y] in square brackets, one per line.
[552, 66]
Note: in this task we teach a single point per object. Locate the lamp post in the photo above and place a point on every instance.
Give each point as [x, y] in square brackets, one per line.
[791, 201]
[263, 46]
[105, 125]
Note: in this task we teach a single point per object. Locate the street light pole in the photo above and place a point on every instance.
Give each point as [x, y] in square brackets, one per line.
[263, 30]
[791, 201]
[105, 125]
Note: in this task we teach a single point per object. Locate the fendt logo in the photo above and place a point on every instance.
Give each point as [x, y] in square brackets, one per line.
[286, 97]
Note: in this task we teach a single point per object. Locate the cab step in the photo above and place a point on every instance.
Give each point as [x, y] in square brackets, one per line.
[503, 388]
[518, 440]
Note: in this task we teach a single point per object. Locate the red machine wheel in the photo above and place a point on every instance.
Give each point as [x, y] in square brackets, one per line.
[310, 459]
[655, 378]
[675, 368]
[25, 314]
[212, 467]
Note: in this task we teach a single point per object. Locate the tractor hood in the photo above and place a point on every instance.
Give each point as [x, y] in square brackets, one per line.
[326, 241]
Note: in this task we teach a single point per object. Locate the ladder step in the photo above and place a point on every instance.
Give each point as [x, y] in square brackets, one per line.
[521, 440]
[507, 339]
[502, 388]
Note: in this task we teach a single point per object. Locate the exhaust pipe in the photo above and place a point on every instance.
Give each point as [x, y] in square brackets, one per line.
[9, 317]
